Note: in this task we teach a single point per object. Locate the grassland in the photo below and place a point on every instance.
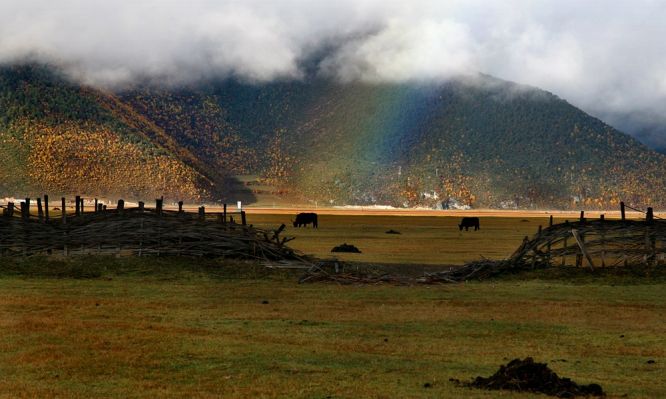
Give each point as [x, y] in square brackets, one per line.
[179, 328]
[423, 240]
[160, 327]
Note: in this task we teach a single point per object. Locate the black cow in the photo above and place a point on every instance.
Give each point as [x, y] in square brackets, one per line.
[469, 222]
[304, 219]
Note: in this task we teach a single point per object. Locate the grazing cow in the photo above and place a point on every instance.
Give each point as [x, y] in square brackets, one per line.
[469, 222]
[304, 219]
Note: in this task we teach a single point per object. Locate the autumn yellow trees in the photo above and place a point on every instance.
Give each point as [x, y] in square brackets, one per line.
[91, 159]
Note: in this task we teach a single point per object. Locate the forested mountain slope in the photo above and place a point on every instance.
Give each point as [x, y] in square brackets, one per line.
[60, 138]
[477, 141]
[480, 141]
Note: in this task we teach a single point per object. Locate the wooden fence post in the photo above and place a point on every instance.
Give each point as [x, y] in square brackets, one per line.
[40, 210]
[581, 237]
[141, 229]
[120, 208]
[202, 213]
[158, 206]
[63, 209]
[549, 247]
[81, 205]
[141, 207]
[535, 254]
[579, 255]
[244, 221]
[622, 211]
[46, 207]
[623, 218]
[180, 206]
[224, 218]
[25, 213]
[63, 212]
[96, 203]
[650, 239]
[77, 210]
[602, 218]
[27, 208]
[581, 245]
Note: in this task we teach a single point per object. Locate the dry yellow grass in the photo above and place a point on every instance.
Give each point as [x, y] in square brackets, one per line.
[423, 239]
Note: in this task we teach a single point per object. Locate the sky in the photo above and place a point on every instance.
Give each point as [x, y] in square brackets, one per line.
[607, 57]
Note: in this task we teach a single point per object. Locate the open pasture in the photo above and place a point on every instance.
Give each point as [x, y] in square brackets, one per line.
[426, 240]
[186, 328]
[179, 327]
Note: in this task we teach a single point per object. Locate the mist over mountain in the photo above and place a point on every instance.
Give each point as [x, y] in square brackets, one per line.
[606, 58]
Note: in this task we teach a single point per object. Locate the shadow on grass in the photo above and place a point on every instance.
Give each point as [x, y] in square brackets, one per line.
[162, 268]
[578, 275]
[181, 268]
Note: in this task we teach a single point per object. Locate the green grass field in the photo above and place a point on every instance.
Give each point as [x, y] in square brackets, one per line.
[423, 239]
[161, 327]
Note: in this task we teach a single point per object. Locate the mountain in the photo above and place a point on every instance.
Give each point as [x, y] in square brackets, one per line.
[474, 140]
[479, 141]
[648, 127]
[61, 138]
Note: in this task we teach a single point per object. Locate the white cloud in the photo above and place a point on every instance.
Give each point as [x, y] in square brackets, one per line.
[405, 51]
[603, 55]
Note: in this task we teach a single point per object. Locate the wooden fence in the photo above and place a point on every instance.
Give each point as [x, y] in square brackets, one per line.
[135, 231]
[155, 231]
[597, 243]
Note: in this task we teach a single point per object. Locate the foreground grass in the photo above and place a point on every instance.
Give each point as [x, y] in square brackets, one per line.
[176, 328]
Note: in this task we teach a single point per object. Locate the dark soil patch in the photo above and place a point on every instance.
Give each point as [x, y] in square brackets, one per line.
[393, 232]
[530, 376]
[346, 248]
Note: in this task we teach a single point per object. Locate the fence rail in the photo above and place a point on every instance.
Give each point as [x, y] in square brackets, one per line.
[136, 231]
[597, 243]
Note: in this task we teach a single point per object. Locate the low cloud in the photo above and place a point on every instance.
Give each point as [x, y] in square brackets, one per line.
[608, 57]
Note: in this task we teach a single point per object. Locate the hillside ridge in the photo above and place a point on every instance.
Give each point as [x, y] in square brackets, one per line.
[478, 142]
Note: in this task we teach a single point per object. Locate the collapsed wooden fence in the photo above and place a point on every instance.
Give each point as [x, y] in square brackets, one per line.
[135, 231]
[597, 243]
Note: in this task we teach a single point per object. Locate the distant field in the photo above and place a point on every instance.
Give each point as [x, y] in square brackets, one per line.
[423, 239]
[191, 328]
